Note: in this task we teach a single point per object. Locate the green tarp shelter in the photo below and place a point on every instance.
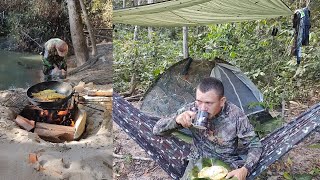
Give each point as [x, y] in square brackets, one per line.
[200, 12]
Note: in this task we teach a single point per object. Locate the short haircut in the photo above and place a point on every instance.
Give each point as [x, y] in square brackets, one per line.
[210, 83]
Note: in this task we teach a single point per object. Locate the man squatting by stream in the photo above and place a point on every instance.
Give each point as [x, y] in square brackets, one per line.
[54, 61]
[227, 124]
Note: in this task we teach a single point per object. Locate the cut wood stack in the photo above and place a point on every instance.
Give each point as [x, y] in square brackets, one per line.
[103, 96]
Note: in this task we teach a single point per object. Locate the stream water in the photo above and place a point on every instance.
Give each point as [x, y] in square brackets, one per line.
[19, 70]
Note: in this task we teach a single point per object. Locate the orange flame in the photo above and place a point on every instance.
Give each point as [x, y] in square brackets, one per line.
[63, 113]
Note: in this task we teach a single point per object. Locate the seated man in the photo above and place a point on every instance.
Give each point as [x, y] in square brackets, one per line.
[54, 62]
[227, 125]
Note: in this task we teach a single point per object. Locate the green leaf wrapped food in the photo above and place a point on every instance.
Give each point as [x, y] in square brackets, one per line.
[210, 169]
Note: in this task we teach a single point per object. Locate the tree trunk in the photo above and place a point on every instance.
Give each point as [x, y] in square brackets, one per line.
[90, 30]
[150, 28]
[133, 82]
[135, 32]
[76, 29]
[123, 3]
[135, 2]
[185, 43]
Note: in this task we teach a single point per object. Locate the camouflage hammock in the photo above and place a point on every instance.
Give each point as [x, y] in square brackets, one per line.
[170, 152]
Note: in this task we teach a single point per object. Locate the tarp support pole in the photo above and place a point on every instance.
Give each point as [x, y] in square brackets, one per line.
[185, 42]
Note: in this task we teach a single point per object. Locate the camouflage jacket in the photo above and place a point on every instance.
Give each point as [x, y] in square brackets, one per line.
[50, 61]
[221, 137]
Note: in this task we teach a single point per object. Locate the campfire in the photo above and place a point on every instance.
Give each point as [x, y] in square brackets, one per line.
[63, 116]
[54, 121]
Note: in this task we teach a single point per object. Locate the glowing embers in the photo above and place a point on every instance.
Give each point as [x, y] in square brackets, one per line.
[59, 117]
[65, 115]
[55, 125]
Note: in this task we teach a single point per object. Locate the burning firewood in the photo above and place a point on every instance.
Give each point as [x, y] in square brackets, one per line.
[63, 113]
[55, 133]
[25, 123]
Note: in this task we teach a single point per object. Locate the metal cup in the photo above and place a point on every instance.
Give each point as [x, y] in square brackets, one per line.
[201, 120]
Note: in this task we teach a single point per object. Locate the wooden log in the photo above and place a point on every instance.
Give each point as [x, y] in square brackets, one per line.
[54, 133]
[96, 99]
[25, 123]
[54, 127]
[107, 93]
[80, 125]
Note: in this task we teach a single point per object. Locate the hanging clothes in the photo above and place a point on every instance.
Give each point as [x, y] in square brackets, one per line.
[302, 25]
[307, 26]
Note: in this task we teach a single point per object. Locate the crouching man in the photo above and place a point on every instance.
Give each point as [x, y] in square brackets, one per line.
[53, 60]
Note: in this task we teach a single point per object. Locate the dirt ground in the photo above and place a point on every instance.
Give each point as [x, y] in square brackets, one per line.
[100, 72]
[301, 159]
[88, 158]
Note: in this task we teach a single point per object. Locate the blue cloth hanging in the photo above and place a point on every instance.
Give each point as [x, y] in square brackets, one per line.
[302, 25]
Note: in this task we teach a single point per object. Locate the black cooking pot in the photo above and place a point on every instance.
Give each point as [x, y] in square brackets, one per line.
[60, 87]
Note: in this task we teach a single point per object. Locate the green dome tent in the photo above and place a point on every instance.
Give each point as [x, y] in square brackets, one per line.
[173, 89]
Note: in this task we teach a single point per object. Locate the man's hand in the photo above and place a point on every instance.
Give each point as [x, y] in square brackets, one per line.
[185, 118]
[63, 74]
[240, 173]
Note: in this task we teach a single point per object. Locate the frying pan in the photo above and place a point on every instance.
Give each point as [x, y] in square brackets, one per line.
[60, 87]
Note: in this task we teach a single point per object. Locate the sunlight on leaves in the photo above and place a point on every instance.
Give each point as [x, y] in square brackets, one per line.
[287, 176]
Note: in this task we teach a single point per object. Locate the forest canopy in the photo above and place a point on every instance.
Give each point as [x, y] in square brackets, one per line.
[249, 45]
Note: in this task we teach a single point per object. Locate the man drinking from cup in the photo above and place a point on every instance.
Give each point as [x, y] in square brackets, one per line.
[217, 132]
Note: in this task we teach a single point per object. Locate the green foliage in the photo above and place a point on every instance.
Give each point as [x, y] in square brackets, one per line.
[128, 158]
[144, 57]
[96, 5]
[264, 58]
[41, 20]
[98, 12]
[315, 171]
[266, 127]
[207, 162]
[287, 176]
[316, 146]
[264, 105]
[303, 176]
